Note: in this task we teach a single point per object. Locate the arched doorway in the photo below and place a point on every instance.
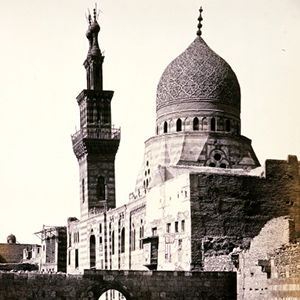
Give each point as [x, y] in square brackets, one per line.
[92, 251]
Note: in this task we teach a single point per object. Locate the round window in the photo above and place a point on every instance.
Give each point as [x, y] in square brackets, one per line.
[217, 156]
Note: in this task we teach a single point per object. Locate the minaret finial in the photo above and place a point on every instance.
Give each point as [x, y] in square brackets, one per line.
[95, 13]
[90, 19]
[199, 24]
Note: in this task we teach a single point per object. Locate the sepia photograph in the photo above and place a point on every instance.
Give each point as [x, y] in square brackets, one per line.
[150, 149]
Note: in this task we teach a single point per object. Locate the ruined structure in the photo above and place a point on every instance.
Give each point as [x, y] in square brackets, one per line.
[202, 201]
[53, 257]
[18, 256]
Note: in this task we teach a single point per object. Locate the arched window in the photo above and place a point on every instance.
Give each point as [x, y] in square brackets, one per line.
[179, 125]
[101, 188]
[92, 251]
[123, 240]
[227, 125]
[196, 124]
[213, 124]
[220, 125]
[204, 124]
[165, 127]
[82, 190]
[113, 243]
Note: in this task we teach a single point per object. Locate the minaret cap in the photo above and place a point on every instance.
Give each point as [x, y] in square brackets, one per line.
[92, 34]
[199, 23]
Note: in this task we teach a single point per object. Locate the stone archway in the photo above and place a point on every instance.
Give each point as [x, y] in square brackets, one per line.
[96, 291]
[112, 295]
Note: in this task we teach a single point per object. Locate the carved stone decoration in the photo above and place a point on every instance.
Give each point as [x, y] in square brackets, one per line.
[198, 73]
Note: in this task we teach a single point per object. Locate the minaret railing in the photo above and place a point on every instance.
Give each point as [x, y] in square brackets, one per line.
[96, 133]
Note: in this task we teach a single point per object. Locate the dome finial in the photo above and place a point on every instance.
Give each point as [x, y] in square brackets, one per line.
[199, 24]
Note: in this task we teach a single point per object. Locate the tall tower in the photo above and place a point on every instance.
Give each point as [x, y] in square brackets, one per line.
[96, 143]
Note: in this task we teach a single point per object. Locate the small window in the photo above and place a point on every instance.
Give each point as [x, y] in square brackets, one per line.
[165, 127]
[113, 243]
[133, 240]
[123, 240]
[213, 124]
[154, 231]
[168, 228]
[227, 125]
[196, 124]
[217, 156]
[183, 225]
[92, 251]
[141, 236]
[212, 164]
[178, 125]
[100, 228]
[223, 166]
[76, 258]
[176, 226]
[101, 188]
[180, 244]
[82, 189]
[156, 130]
[69, 260]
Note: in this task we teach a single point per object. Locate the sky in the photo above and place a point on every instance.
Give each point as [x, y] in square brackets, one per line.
[43, 47]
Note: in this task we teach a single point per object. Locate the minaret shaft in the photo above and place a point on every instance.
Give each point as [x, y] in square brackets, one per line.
[96, 143]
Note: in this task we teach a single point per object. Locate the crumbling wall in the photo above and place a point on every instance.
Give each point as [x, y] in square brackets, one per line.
[254, 263]
[285, 272]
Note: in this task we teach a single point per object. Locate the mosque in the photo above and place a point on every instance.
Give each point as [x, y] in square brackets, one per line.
[202, 201]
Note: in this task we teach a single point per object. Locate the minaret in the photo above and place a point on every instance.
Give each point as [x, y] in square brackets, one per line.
[96, 143]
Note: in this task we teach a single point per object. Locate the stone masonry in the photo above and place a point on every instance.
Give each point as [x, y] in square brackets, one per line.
[133, 284]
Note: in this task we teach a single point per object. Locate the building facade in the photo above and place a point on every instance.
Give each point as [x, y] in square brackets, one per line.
[202, 201]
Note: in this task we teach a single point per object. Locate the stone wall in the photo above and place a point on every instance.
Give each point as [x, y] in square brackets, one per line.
[228, 211]
[133, 285]
[12, 253]
[34, 285]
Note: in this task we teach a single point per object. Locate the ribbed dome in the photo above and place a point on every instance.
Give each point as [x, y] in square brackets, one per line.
[198, 75]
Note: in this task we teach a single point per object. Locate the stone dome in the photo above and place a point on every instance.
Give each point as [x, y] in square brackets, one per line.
[11, 239]
[198, 80]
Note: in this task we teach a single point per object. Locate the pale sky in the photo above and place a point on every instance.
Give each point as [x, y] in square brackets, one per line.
[42, 51]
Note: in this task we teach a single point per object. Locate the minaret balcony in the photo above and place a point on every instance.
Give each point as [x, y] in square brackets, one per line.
[96, 133]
